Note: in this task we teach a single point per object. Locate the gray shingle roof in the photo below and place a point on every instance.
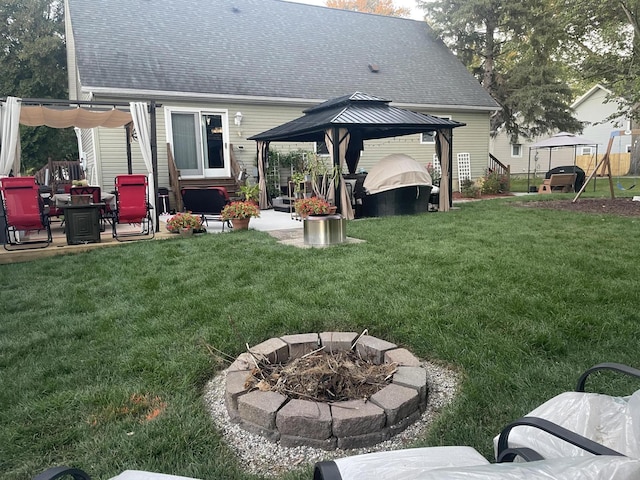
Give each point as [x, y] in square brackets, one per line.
[265, 48]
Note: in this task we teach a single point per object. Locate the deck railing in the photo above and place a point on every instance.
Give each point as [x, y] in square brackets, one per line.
[496, 165]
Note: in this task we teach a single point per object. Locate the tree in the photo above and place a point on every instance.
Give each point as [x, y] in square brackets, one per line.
[33, 62]
[510, 47]
[380, 7]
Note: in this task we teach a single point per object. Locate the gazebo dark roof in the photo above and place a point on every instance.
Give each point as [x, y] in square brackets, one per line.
[364, 115]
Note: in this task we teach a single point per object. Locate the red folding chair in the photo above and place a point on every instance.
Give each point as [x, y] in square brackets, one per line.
[24, 213]
[132, 207]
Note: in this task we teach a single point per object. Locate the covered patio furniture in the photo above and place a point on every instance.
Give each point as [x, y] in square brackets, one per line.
[24, 213]
[396, 185]
[207, 202]
[132, 206]
[458, 463]
[580, 423]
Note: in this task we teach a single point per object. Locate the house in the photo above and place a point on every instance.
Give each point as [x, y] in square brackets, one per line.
[222, 71]
[598, 114]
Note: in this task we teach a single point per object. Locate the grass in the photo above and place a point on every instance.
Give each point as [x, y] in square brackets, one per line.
[103, 355]
[597, 186]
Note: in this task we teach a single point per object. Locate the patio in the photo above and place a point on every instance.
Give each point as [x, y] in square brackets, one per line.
[279, 224]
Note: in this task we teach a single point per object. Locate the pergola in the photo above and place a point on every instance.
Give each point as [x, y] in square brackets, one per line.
[559, 140]
[81, 114]
[344, 123]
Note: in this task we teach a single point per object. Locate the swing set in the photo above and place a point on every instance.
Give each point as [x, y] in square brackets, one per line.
[604, 165]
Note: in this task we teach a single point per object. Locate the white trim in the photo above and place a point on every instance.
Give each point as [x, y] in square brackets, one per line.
[590, 92]
[223, 112]
[511, 145]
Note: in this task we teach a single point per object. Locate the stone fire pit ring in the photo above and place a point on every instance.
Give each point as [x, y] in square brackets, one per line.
[345, 425]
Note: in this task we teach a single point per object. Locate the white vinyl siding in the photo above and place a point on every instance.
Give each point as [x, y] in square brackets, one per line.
[111, 143]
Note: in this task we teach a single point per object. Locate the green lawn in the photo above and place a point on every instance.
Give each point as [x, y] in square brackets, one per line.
[598, 185]
[519, 300]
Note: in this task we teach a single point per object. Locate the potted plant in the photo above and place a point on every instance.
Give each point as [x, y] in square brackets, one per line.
[311, 206]
[239, 213]
[251, 193]
[185, 223]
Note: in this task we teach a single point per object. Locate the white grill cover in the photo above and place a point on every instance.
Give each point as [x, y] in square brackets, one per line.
[395, 171]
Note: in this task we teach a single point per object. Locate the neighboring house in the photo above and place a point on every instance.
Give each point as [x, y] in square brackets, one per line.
[594, 111]
[224, 70]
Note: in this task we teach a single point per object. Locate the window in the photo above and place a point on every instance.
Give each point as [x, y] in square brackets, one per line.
[321, 148]
[428, 137]
[516, 150]
[587, 150]
[199, 141]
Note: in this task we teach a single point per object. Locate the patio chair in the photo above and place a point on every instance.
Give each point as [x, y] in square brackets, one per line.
[580, 423]
[456, 463]
[132, 207]
[207, 202]
[24, 212]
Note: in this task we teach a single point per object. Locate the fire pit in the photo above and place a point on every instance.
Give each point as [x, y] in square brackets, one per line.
[374, 390]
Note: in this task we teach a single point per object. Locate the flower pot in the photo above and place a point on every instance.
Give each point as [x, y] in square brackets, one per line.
[240, 223]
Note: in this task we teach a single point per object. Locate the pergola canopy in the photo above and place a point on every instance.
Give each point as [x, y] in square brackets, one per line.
[35, 116]
[563, 139]
[365, 116]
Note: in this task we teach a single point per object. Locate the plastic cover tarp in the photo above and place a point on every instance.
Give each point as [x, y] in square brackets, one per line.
[395, 171]
[576, 468]
[465, 463]
[611, 421]
[407, 464]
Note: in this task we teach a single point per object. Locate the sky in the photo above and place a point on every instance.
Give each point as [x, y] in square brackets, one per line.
[416, 13]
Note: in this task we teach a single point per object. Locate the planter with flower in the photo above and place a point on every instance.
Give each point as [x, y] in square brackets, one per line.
[185, 224]
[239, 213]
[312, 206]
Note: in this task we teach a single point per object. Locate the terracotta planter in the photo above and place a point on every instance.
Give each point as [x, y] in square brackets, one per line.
[240, 223]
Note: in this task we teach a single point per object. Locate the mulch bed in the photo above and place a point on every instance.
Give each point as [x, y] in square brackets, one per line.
[624, 207]
[323, 377]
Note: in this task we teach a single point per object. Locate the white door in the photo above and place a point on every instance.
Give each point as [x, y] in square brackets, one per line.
[200, 143]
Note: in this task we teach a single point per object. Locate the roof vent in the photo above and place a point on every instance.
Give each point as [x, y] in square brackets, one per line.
[235, 10]
[373, 67]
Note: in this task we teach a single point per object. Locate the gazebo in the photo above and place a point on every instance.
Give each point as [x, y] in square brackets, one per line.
[344, 123]
[559, 140]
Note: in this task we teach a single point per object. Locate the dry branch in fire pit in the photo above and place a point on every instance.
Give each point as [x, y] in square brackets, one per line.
[323, 377]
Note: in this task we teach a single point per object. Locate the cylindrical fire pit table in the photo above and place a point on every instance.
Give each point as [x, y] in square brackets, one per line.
[324, 230]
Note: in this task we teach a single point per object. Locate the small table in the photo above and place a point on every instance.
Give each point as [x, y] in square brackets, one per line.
[82, 223]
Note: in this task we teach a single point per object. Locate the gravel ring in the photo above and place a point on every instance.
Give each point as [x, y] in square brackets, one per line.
[259, 456]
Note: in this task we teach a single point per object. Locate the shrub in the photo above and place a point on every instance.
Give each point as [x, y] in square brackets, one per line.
[493, 183]
[469, 189]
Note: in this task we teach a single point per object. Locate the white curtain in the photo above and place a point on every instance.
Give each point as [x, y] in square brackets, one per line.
[141, 124]
[10, 152]
[343, 141]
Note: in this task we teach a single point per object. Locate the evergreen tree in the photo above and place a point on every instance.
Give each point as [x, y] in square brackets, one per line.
[33, 63]
[511, 47]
